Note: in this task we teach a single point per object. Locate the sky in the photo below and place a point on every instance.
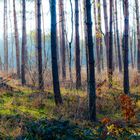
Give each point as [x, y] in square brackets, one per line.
[30, 16]
[46, 11]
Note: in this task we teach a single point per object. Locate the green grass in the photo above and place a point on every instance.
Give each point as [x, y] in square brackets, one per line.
[13, 104]
[34, 105]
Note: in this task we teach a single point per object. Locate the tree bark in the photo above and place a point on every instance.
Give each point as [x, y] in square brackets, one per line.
[16, 40]
[97, 41]
[85, 36]
[106, 33]
[138, 33]
[91, 69]
[24, 42]
[118, 40]
[100, 42]
[44, 41]
[36, 49]
[70, 43]
[39, 46]
[110, 72]
[5, 37]
[77, 46]
[62, 38]
[56, 87]
[131, 50]
[125, 47]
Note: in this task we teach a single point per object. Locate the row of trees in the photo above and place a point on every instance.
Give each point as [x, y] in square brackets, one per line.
[103, 41]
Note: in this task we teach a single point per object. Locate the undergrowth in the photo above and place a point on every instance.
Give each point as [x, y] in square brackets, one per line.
[32, 115]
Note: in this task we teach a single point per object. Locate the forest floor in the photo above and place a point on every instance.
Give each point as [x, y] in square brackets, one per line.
[32, 115]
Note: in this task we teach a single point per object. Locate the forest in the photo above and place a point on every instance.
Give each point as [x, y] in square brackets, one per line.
[69, 70]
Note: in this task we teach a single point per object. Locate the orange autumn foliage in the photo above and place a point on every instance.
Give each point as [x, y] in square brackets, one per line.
[105, 120]
[127, 107]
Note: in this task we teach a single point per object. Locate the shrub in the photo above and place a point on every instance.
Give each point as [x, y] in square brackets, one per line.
[127, 106]
[55, 130]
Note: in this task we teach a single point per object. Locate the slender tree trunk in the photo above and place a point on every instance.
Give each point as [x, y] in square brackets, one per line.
[11, 62]
[126, 34]
[39, 46]
[44, 41]
[24, 42]
[70, 43]
[86, 40]
[16, 40]
[106, 33]
[100, 42]
[118, 40]
[97, 41]
[36, 49]
[121, 30]
[110, 72]
[62, 38]
[0, 64]
[135, 49]
[131, 50]
[115, 58]
[91, 70]
[115, 53]
[138, 33]
[134, 42]
[82, 32]
[5, 37]
[58, 48]
[77, 46]
[56, 87]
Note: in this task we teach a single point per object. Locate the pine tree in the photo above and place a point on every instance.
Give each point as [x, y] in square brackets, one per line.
[125, 47]
[56, 87]
[39, 46]
[91, 69]
[138, 32]
[16, 40]
[24, 43]
[77, 46]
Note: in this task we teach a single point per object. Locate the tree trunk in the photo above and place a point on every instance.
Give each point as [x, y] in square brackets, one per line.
[36, 49]
[115, 58]
[39, 46]
[56, 87]
[62, 38]
[82, 32]
[44, 41]
[5, 37]
[24, 42]
[118, 40]
[85, 36]
[97, 42]
[0, 64]
[110, 72]
[16, 40]
[131, 50]
[100, 42]
[77, 46]
[106, 33]
[126, 33]
[135, 49]
[70, 43]
[138, 32]
[91, 69]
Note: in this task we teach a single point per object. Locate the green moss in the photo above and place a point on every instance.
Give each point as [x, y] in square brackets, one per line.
[36, 105]
[30, 112]
[6, 112]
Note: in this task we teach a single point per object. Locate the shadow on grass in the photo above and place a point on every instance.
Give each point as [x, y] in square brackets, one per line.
[41, 129]
[29, 128]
